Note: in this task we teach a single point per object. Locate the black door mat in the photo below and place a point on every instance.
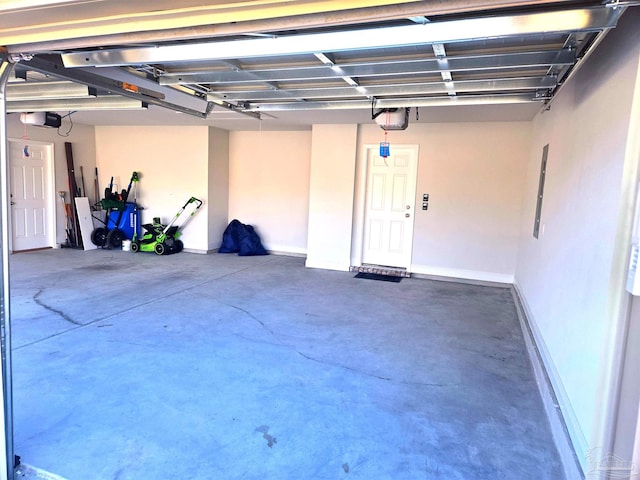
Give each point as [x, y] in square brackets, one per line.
[378, 276]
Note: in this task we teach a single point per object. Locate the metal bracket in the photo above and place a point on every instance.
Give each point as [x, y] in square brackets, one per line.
[53, 66]
[242, 109]
[18, 57]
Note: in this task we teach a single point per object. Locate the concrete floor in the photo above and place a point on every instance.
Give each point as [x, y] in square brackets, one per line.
[134, 366]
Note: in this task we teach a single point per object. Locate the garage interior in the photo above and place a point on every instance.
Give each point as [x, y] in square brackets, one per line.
[267, 369]
[519, 120]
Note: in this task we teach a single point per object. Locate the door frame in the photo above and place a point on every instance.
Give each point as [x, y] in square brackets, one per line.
[51, 186]
[360, 199]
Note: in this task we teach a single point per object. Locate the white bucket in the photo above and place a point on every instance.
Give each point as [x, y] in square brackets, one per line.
[126, 245]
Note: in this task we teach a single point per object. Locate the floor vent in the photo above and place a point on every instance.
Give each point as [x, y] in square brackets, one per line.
[382, 270]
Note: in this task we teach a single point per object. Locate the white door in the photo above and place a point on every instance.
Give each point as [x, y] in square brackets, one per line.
[390, 206]
[32, 197]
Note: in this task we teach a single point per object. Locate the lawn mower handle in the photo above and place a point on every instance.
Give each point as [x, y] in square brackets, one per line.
[191, 200]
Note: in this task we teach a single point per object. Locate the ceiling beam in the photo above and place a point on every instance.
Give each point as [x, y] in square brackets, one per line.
[433, 88]
[583, 20]
[132, 90]
[47, 90]
[115, 102]
[392, 103]
[380, 68]
[327, 59]
[237, 67]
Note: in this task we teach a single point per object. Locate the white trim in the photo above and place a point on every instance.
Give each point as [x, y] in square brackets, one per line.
[568, 437]
[287, 253]
[196, 251]
[463, 274]
[52, 202]
[327, 266]
[466, 281]
[619, 304]
[286, 250]
[360, 198]
[271, 252]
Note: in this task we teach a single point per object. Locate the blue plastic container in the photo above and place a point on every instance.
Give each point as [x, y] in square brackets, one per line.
[127, 221]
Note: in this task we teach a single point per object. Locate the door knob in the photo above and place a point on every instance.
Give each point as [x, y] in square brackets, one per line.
[407, 215]
[13, 203]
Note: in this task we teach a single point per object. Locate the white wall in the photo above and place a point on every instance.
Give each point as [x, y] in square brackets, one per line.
[84, 151]
[269, 186]
[218, 197]
[473, 173]
[173, 166]
[333, 166]
[571, 278]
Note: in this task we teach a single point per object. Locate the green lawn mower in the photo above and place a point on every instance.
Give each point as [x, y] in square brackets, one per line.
[164, 239]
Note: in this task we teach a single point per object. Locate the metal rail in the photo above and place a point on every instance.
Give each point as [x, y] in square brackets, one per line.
[584, 20]
[580, 62]
[394, 103]
[6, 470]
[290, 73]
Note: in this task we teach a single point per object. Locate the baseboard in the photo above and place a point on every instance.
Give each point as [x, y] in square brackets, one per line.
[288, 254]
[555, 401]
[196, 250]
[458, 273]
[286, 250]
[271, 252]
[466, 281]
[327, 265]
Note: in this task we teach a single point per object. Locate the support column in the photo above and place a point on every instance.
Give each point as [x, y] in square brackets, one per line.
[331, 190]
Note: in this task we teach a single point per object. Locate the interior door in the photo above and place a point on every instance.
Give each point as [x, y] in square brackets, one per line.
[390, 207]
[32, 204]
